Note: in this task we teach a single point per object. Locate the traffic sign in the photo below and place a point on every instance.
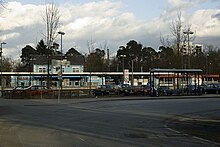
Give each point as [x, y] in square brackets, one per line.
[59, 75]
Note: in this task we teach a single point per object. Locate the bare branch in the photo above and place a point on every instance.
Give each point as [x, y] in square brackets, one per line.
[90, 45]
[51, 17]
[176, 30]
[165, 41]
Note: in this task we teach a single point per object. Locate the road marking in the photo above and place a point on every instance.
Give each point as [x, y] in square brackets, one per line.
[205, 140]
[195, 137]
[175, 131]
[81, 139]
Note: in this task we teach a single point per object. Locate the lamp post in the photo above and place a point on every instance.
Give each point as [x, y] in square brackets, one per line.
[61, 40]
[188, 32]
[132, 76]
[61, 50]
[123, 67]
[1, 67]
[61, 69]
[207, 67]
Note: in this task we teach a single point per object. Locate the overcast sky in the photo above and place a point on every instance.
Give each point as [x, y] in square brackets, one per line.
[114, 22]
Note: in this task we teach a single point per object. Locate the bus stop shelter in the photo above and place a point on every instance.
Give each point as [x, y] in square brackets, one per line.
[183, 80]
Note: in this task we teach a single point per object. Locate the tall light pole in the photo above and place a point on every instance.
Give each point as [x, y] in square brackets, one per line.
[132, 76]
[207, 67]
[188, 32]
[61, 40]
[61, 68]
[123, 62]
[1, 67]
[123, 66]
[61, 50]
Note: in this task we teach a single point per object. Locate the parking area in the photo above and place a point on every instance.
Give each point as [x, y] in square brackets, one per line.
[125, 90]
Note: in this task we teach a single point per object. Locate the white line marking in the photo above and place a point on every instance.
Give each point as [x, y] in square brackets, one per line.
[81, 139]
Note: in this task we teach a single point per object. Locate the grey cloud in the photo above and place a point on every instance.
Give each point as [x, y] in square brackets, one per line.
[216, 16]
[115, 27]
[208, 41]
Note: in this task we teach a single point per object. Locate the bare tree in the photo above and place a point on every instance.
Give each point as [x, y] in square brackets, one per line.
[51, 17]
[3, 5]
[91, 45]
[165, 41]
[176, 30]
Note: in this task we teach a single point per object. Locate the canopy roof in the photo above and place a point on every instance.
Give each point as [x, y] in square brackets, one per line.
[176, 70]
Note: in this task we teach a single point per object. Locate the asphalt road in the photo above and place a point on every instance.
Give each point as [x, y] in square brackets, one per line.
[121, 123]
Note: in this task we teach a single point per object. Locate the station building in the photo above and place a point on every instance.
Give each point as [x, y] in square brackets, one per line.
[57, 65]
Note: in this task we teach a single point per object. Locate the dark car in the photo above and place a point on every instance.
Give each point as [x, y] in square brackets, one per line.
[104, 90]
[213, 88]
[194, 89]
[164, 90]
[145, 89]
[126, 89]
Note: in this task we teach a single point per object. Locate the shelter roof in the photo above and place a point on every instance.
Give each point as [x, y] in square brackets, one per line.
[159, 70]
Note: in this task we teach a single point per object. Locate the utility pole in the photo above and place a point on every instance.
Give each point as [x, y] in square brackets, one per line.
[1, 51]
[61, 68]
[132, 76]
[108, 58]
[123, 66]
[188, 32]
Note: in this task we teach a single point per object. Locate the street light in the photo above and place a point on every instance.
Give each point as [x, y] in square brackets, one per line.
[1, 67]
[61, 50]
[61, 69]
[61, 41]
[188, 32]
[207, 67]
[123, 66]
[132, 76]
[123, 62]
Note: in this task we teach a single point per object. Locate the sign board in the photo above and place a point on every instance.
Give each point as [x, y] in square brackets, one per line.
[126, 76]
[59, 75]
[63, 62]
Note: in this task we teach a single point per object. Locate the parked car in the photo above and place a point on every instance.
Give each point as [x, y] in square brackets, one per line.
[164, 90]
[126, 89]
[213, 88]
[145, 89]
[33, 89]
[20, 87]
[104, 90]
[194, 89]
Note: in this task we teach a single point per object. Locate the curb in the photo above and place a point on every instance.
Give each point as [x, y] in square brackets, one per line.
[143, 98]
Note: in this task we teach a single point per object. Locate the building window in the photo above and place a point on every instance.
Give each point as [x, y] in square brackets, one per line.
[76, 83]
[57, 69]
[75, 69]
[42, 69]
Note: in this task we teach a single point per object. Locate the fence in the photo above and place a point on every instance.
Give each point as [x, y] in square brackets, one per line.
[46, 94]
